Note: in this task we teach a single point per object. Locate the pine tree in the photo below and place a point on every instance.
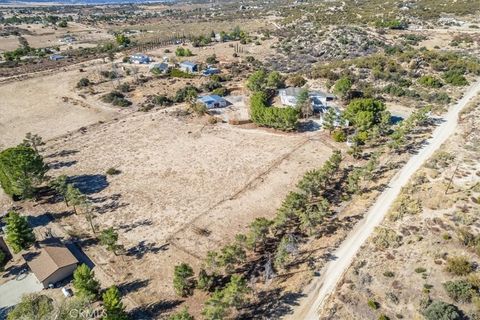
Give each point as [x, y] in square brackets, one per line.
[113, 305]
[329, 120]
[74, 197]
[109, 238]
[33, 141]
[59, 184]
[182, 315]
[85, 283]
[19, 234]
[182, 280]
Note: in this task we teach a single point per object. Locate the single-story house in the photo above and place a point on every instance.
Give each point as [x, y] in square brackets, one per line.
[56, 57]
[318, 99]
[161, 67]
[140, 58]
[213, 101]
[51, 263]
[210, 71]
[188, 66]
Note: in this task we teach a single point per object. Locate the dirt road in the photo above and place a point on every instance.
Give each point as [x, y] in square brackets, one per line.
[321, 287]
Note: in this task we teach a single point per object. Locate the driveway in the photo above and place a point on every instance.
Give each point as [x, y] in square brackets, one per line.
[11, 292]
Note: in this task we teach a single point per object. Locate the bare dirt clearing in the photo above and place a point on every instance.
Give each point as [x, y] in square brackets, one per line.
[177, 177]
[37, 105]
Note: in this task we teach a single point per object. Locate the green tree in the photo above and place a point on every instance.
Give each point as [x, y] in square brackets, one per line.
[21, 169]
[59, 184]
[330, 119]
[33, 307]
[259, 229]
[303, 103]
[74, 197]
[19, 234]
[234, 293]
[68, 309]
[282, 253]
[182, 315]
[109, 238]
[215, 308]
[257, 81]
[112, 302]
[122, 39]
[182, 280]
[342, 87]
[84, 282]
[364, 113]
[205, 281]
[275, 80]
[230, 255]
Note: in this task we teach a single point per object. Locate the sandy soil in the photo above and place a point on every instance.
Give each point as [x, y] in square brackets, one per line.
[37, 105]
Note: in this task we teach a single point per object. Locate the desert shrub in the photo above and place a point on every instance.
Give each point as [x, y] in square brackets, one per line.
[183, 52]
[185, 93]
[441, 159]
[205, 281]
[198, 108]
[211, 59]
[117, 99]
[296, 80]
[404, 205]
[459, 290]
[385, 238]
[383, 317]
[420, 270]
[389, 274]
[113, 171]
[125, 87]
[455, 78]
[222, 91]
[177, 73]
[339, 136]
[273, 117]
[109, 74]
[84, 82]
[373, 304]
[439, 310]
[162, 100]
[430, 81]
[459, 266]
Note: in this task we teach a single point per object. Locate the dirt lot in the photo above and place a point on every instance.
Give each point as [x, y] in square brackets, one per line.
[176, 175]
[400, 273]
[37, 105]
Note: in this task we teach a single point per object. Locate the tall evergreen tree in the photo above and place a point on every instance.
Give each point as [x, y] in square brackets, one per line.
[21, 170]
[84, 282]
[19, 233]
[112, 302]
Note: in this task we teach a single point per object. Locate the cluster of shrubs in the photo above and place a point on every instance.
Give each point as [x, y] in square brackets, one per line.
[183, 52]
[272, 117]
[177, 73]
[117, 99]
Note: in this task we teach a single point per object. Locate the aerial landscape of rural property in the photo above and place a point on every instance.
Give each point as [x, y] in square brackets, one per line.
[221, 159]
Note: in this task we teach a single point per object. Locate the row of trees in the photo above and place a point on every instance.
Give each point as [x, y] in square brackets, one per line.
[301, 214]
[278, 118]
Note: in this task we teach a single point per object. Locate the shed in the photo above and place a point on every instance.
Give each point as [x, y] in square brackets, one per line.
[51, 263]
[213, 101]
[161, 67]
[140, 58]
[56, 57]
[189, 67]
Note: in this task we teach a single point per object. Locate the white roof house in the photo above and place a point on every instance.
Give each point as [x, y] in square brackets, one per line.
[319, 99]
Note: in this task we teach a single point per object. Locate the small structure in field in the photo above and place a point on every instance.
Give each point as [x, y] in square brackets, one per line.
[213, 101]
[140, 58]
[162, 68]
[318, 99]
[210, 71]
[51, 263]
[189, 67]
[56, 57]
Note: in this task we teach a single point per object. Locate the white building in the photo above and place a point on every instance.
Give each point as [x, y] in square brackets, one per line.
[319, 99]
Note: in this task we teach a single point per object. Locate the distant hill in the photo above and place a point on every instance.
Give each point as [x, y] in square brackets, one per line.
[84, 2]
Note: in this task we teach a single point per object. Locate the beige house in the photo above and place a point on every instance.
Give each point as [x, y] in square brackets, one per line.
[51, 263]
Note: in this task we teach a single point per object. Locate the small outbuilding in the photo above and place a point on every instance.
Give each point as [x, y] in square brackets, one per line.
[213, 101]
[162, 68]
[140, 58]
[56, 57]
[188, 66]
[51, 263]
[210, 71]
